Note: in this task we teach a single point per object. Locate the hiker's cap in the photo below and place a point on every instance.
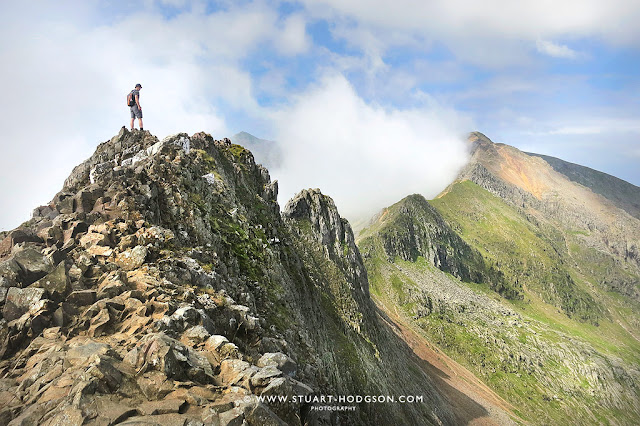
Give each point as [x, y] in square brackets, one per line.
[139, 85]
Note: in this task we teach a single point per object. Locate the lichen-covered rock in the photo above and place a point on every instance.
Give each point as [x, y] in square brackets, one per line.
[133, 258]
[159, 352]
[10, 271]
[20, 301]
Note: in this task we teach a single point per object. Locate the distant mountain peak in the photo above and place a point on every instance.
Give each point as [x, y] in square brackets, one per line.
[266, 152]
[573, 198]
[478, 137]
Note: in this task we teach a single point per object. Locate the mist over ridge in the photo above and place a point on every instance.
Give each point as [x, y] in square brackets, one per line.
[365, 156]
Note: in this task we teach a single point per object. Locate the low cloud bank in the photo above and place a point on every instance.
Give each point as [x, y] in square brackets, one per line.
[364, 156]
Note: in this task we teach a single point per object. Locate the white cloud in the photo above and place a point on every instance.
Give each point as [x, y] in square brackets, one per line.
[364, 156]
[491, 33]
[293, 38]
[556, 50]
[634, 152]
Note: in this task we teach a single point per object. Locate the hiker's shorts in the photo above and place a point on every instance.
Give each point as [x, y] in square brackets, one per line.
[135, 112]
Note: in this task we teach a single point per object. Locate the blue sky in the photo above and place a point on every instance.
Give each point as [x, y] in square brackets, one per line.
[371, 99]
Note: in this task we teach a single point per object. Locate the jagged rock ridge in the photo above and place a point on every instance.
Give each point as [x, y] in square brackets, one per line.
[162, 285]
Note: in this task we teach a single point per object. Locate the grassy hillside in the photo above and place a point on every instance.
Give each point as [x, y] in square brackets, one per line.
[412, 228]
[529, 253]
[566, 348]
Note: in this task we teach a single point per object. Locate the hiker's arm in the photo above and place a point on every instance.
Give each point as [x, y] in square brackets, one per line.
[138, 102]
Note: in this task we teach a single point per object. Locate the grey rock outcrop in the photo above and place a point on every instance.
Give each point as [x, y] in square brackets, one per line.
[332, 232]
[161, 285]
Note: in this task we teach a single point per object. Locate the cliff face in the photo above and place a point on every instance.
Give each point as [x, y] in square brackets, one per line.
[163, 281]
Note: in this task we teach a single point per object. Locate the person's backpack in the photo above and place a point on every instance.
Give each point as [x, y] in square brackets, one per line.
[131, 99]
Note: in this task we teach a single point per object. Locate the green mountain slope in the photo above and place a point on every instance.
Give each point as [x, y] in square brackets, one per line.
[531, 256]
[412, 228]
[603, 240]
[568, 346]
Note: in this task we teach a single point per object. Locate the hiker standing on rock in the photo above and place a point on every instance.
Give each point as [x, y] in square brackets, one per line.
[133, 100]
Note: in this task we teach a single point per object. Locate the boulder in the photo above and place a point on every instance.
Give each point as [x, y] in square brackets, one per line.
[155, 235]
[5, 284]
[63, 315]
[82, 297]
[157, 351]
[32, 415]
[111, 412]
[281, 386]
[51, 234]
[242, 316]
[257, 413]
[172, 419]
[73, 229]
[154, 385]
[99, 323]
[68, 416]
[127, 242]
[82, 349]
[48, 212]
[94, 239]
[132, 259]
[86, 198]
[100, 251]
[265, 375]
[195, 336]
[233, 417]
[10, 270]
[112, 285]
[63, 202]
[235, 372]
[33, 262]
[19, 301]
[215, 341]
[17, 236]
[56, 283]
[280, 361]
[186, 315]
[167, 406]
[102, 368]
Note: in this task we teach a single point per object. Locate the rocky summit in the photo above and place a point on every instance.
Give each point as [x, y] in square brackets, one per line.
[163, 286]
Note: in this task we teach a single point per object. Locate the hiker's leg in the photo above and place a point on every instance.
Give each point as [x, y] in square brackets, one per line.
[140, 123]
[132, 121]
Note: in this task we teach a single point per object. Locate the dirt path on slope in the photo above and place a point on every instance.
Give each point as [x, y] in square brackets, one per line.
[472, 401]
